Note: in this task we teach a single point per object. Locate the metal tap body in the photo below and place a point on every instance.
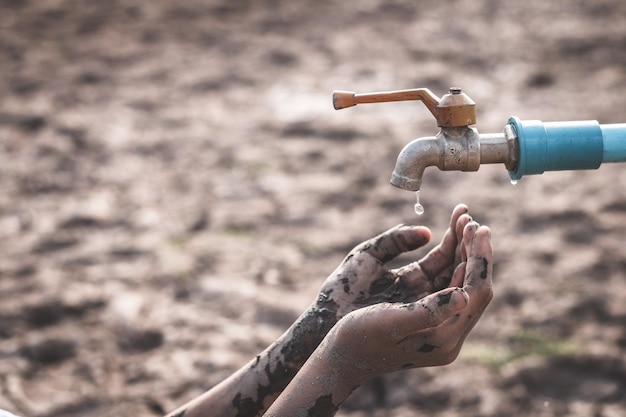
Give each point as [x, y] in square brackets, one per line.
[452, 149]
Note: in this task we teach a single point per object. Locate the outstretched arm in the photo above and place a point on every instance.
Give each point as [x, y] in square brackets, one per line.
[392, 336]
[360, 280]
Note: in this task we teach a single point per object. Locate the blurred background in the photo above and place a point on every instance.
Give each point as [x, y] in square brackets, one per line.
[175, 185]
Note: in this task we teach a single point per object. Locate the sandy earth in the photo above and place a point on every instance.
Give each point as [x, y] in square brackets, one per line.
[175, 185]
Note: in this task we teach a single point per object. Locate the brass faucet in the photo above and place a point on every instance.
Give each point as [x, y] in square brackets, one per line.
[456, 147]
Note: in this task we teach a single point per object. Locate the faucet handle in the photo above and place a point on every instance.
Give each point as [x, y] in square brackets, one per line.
[452, 110]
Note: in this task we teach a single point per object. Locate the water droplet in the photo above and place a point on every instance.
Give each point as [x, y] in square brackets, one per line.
[513, 182]
[419, 209]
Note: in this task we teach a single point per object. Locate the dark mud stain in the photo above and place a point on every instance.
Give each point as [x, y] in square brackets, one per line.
[278, 379]
[245, 406]
[346, 281]
[485, 270]
[323, 407]
[392, 290]
[308, 333]
[443, 299]
[426, 348]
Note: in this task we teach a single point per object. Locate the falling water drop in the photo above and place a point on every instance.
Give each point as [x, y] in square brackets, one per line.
[513, 182]
[419, 209]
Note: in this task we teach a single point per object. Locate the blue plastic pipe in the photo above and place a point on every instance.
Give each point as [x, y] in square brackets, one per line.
[560, 146]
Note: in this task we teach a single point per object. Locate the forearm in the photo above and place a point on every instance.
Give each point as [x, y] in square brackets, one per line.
[253, 388]
[318, 390]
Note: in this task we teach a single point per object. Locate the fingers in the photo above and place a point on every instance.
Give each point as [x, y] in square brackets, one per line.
[474, 275]
[477, 245]
[444, 255]
[477, 275]
[459, 276]
[395, 241]
[460, 254]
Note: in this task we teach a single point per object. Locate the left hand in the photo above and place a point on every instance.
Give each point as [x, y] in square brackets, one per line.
[362, 279]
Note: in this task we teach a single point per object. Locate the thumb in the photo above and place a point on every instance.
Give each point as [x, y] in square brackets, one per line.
[395, 241]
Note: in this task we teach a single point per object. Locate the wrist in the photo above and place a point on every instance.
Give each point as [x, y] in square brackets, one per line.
[344, 358]
[305, 335]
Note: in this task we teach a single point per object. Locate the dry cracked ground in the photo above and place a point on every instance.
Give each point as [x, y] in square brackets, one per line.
[175, 185]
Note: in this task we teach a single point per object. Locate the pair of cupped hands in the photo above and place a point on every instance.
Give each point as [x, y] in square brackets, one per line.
[417, 315]
[367, 320]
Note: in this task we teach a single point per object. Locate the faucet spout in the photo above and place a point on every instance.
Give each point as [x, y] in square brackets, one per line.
[453, 148]
[413, 160]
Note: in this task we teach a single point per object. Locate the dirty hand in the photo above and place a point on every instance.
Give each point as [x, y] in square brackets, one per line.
[387, 337]
[362, 279]
[429, 332]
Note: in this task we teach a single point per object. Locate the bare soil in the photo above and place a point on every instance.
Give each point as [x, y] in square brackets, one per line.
[175, 185]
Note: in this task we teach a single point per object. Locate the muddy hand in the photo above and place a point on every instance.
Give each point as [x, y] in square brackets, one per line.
[392, 336]
[388, 337]
[363, 280]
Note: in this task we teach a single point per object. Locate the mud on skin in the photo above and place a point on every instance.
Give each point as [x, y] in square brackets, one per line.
[323, 407]
[484, 273]
[397, 291]
[281, 366]
[250, 407]
[400, 245]
[444, 299]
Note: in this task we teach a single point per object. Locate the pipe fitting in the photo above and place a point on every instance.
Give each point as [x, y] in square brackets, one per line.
[564, 146]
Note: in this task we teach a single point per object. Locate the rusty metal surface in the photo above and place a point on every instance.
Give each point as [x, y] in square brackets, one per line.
[454, 109]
